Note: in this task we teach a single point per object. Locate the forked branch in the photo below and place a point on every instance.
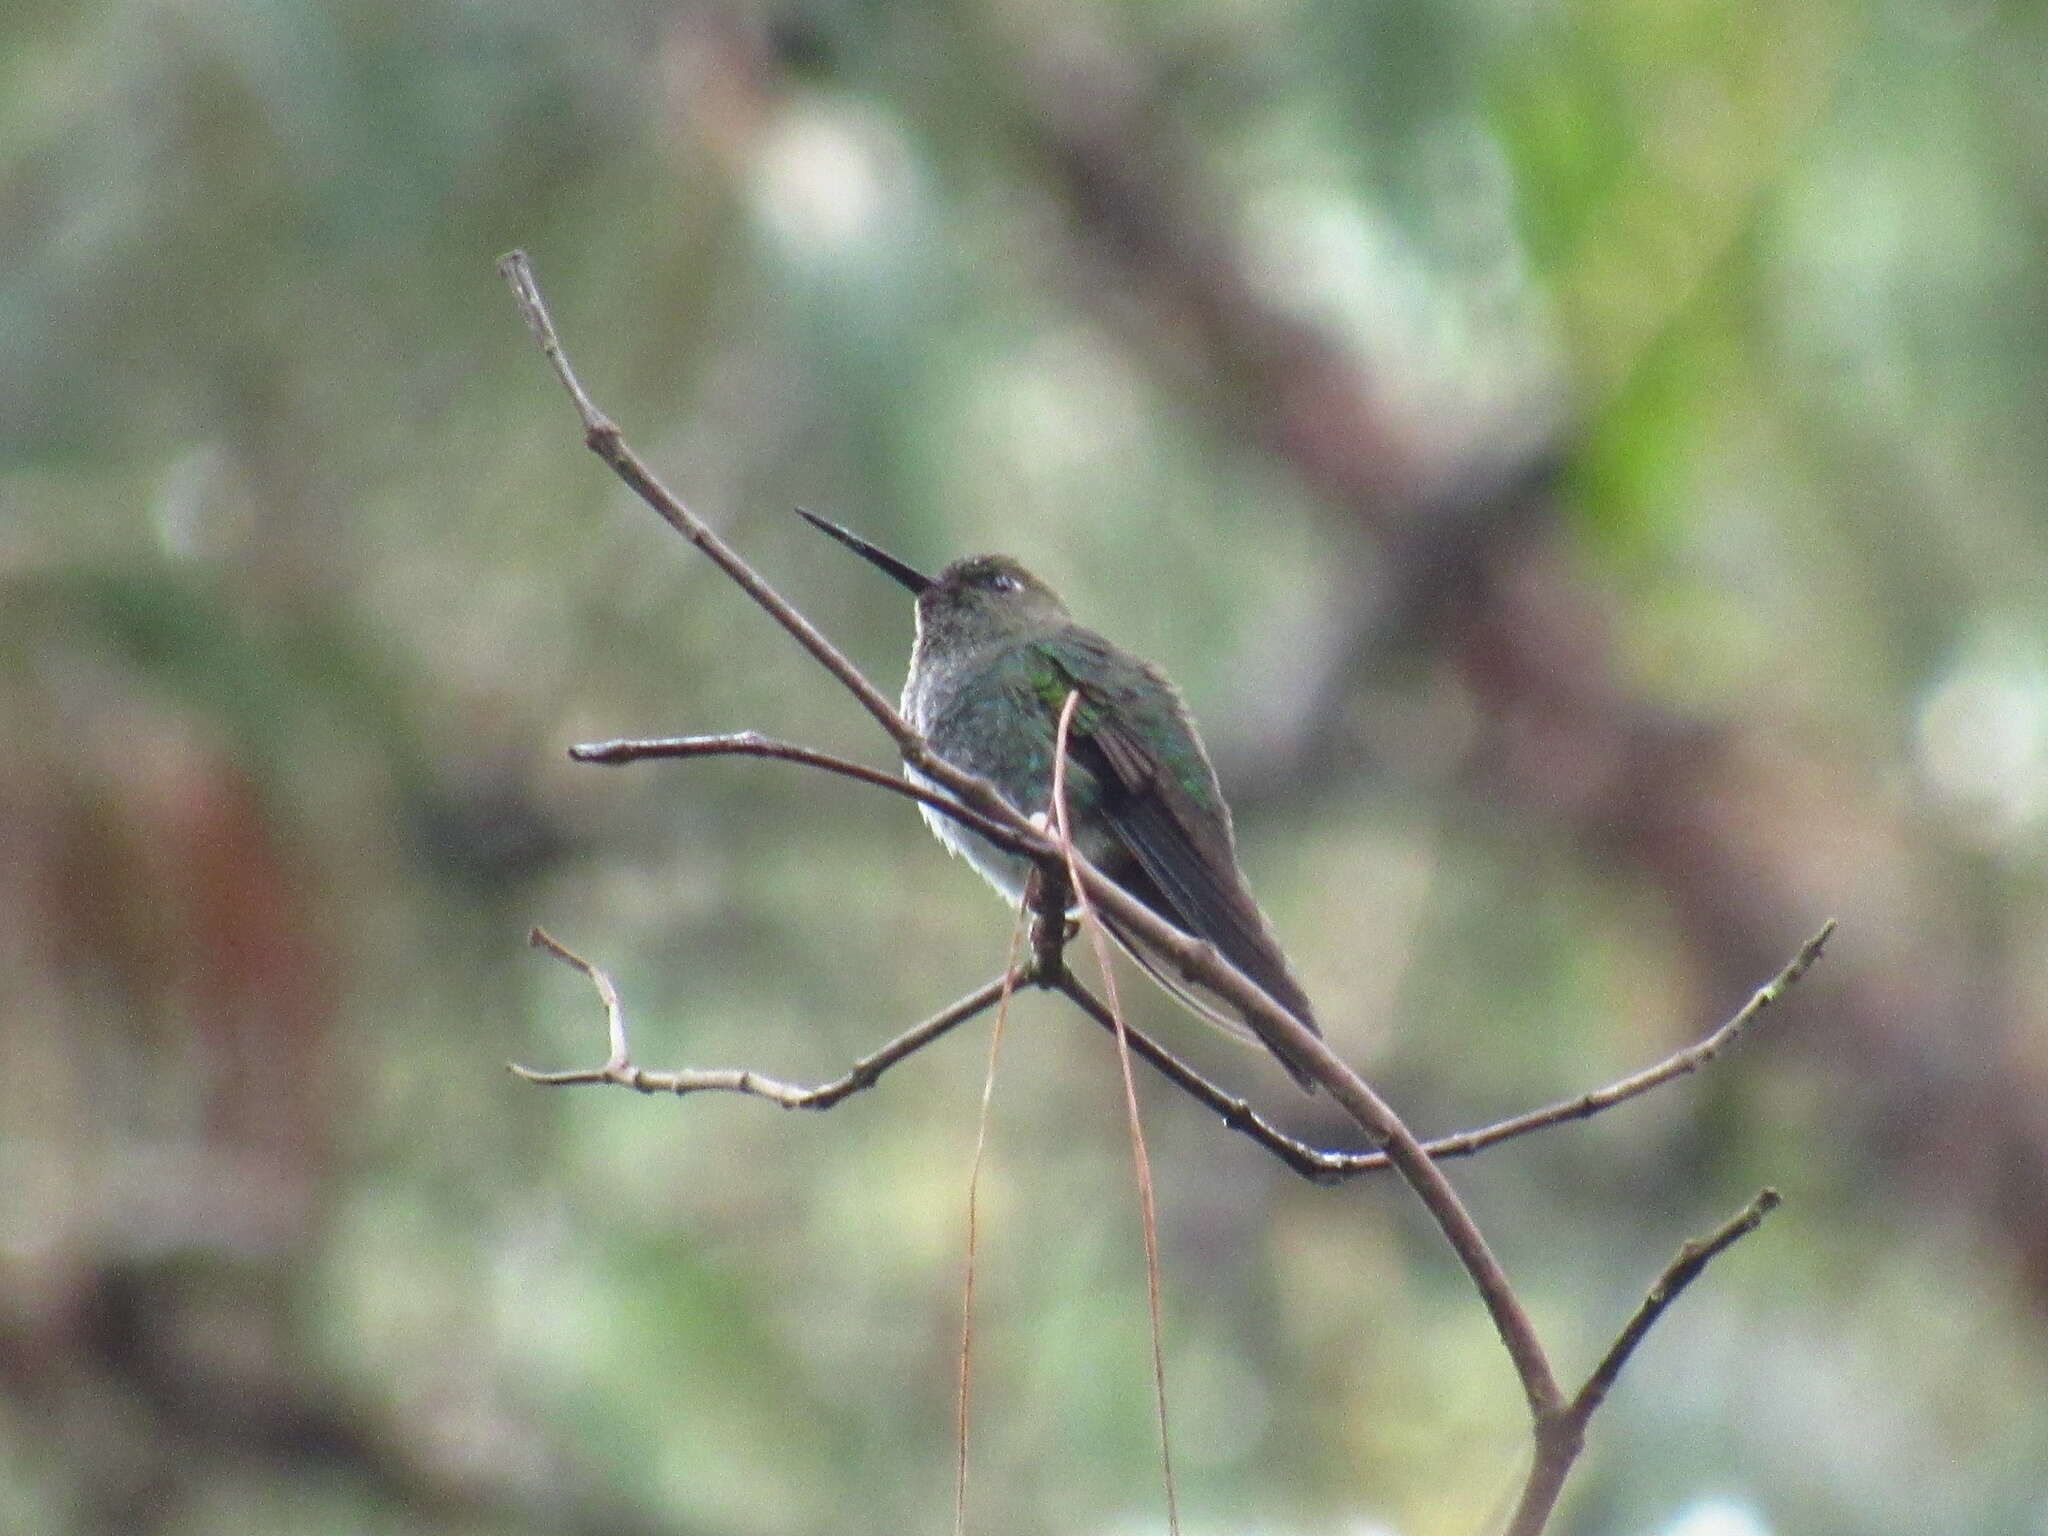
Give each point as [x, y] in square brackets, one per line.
[1048, 970]
[1558, 1422]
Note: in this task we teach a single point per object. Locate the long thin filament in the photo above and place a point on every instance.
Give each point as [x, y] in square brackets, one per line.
[988, 1085]
[1140, 1160]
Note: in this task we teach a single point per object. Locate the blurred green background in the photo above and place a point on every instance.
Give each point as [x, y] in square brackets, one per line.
[1584, 463]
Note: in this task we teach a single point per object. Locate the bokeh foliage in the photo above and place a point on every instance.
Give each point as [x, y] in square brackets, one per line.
[305, 583]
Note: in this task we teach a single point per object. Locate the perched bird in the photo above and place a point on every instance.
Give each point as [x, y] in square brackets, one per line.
[996, 656]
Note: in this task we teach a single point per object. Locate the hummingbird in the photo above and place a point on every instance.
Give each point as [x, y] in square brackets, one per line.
[995, 658]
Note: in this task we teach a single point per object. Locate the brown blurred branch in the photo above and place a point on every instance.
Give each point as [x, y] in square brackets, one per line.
[1557, 1423]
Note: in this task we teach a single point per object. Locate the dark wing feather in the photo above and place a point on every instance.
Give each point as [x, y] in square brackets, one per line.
[1187, 859]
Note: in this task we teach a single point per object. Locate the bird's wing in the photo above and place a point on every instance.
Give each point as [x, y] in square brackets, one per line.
[1175, 827]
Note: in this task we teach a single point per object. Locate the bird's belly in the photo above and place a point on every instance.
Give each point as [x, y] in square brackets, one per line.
[1007, 872]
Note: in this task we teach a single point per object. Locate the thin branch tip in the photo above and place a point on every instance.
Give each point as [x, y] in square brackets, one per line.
[1810, 951]
[604, 1074]
[1690, 1262]
[539, 938]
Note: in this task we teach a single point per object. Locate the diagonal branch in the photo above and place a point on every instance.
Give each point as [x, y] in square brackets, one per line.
[601, 435]
[1334, 1166]
[1692, 1259]
[1560, 1438]
[1318, 1167]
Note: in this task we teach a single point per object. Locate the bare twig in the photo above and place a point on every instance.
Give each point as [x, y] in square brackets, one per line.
[1317, 1165]
[1238, 1115]
[620, 1059]
[621, 1070]
[1560, 1438]
[753, 744]
[602, 437]
[1693, 1257]
[1335, 1167]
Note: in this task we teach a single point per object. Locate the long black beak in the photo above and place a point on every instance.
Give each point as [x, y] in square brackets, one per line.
[909, 575]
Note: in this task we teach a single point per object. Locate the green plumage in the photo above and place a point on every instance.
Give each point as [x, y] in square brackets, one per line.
[997, 656]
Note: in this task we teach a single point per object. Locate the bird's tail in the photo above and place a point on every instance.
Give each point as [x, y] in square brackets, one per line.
[1277, 984]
